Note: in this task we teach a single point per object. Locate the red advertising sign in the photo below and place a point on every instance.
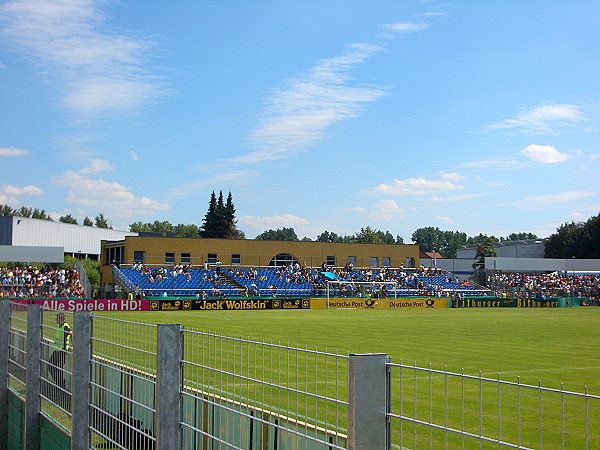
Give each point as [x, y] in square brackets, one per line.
[89, 305]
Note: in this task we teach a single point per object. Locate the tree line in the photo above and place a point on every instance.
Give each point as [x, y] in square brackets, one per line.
[34, 213]
[575, 240]
[571, 240]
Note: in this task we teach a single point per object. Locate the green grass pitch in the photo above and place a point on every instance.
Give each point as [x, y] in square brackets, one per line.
[551, 346]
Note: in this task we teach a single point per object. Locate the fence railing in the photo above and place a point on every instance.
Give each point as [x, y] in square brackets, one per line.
[85, 281]
[442, 409]
[127, 385]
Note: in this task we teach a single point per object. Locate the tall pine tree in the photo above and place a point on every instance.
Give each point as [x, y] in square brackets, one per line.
[219, 221]
[209, 227]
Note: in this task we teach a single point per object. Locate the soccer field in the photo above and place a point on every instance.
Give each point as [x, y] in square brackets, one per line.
[548, 347]
[553, 345]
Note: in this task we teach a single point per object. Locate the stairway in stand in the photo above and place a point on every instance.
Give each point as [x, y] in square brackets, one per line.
[231, 281]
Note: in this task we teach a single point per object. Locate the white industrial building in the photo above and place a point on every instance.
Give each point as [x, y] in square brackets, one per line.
[508, 249]
[33, 240]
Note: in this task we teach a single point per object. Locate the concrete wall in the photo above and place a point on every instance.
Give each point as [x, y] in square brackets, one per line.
[457, 266]
[465, 266]
[19, 254]
[542, 264]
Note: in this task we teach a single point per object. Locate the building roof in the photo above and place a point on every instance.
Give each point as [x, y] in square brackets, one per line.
[430, 255]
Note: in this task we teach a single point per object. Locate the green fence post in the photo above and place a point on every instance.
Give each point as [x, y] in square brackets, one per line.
[80, 400]
[32, 377]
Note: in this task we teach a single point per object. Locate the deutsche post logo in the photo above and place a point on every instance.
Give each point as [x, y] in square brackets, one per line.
[430, 302]
[369, 302]
[276, 304]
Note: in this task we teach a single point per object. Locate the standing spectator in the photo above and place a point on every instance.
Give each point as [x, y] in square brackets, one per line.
[62, 345]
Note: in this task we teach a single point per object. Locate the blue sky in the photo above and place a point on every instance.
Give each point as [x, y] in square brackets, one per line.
[481, 117]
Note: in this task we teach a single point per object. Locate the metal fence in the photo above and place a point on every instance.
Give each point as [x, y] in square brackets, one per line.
[441, 409]
[135, 385]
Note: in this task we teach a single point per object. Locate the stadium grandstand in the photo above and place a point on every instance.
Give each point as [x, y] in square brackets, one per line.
[288, 281]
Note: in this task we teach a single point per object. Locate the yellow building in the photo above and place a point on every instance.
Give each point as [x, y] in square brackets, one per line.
[162, 251]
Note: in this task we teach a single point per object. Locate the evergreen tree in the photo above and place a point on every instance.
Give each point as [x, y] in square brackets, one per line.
[221, 218]
[101, 221]
[6, 210]
[219, 221]
[88, 222]
[68, 219]
[210, 225]
[230, 216]
[24, 211]
[40, 214]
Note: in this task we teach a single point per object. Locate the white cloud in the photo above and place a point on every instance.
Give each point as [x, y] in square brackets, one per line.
[545, 119]
[456, 198]
[226, 178]
[541, 201]
[544, 153]
[300, 113]
[134, 155]
[97, 69]
[97, 166]
[27, 190]
[406, 27]
[500, 163]
[268, 222]
[254, 225]
[421, 186]
[445, 219]
[10, 194]
[12, 151]
[110, 198]
[381, 210]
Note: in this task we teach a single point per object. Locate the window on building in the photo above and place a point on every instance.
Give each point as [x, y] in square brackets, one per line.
[331, 261]
[115, 255]
[386, 261]
[282, 259]
[236, 258]
[186, 258]
[169, 258]
[352, 260]
[374, 261]
[139, 256]
[212, 258]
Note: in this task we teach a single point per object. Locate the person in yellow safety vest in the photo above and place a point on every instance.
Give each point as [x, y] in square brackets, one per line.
[62, 345]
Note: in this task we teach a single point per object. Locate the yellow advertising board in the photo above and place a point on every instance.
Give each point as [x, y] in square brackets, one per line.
[379, 303]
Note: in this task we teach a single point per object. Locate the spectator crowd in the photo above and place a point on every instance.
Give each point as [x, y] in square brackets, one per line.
[555, 284]
[42, 282]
